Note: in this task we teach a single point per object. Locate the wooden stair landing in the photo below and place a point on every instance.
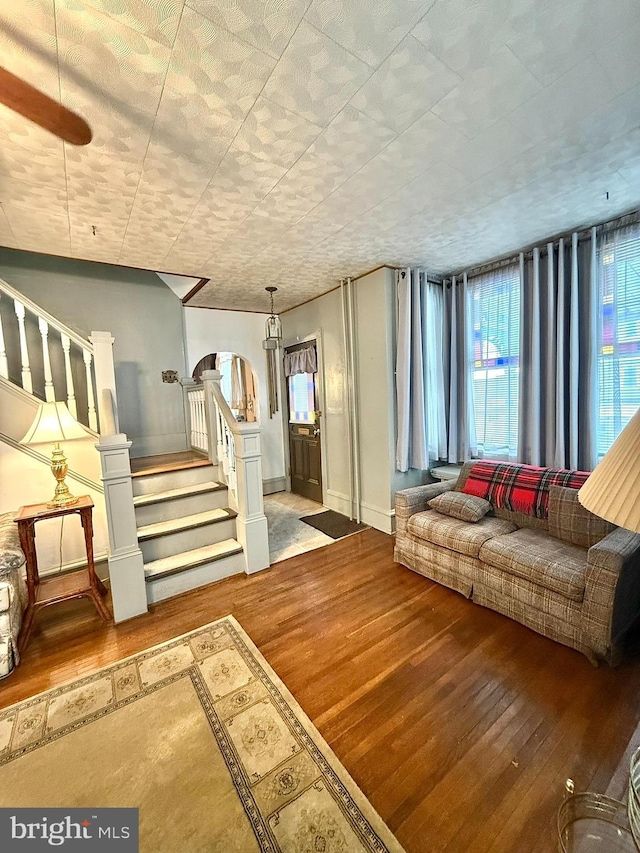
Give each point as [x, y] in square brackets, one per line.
[164, 462]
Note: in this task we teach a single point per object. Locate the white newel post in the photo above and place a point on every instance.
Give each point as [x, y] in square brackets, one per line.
[104, 370]
[251, 523]
[211, 414]
[126, 567]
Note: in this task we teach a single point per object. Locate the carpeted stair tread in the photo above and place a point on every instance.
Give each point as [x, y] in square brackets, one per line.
[190, 559]
[177, 525]
[182, 492]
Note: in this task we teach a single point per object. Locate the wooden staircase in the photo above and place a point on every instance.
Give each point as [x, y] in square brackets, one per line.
[186, 529]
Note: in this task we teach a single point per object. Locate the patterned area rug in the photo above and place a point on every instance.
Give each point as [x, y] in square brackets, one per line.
[205, 739]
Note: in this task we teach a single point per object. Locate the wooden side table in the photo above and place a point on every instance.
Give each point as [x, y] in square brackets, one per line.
[77, 584]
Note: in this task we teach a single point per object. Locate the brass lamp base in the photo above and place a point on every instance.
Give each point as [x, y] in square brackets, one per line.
[62, 496]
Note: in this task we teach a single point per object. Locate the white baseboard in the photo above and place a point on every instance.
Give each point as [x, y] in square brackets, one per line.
[273, 485]
[375, 516]
[101, 564]
[337, 501]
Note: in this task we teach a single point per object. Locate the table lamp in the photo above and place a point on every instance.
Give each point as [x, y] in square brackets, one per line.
[612, 490]
[53, 423]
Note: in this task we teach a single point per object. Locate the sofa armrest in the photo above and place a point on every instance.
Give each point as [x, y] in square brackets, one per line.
[612, 584]
[410, 501]
[11, 554]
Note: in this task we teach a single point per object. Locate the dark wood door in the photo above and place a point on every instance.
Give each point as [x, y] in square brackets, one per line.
[304, 436]
[306, 467]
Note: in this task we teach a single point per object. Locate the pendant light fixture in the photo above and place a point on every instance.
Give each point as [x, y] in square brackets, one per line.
[273, 326]
[273, 332]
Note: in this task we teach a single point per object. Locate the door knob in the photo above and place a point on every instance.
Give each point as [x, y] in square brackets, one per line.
[316, 432]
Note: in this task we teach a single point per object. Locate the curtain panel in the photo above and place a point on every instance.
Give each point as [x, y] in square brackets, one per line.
[301, 361]
[457, 372]
[420, 380]
[558, 382]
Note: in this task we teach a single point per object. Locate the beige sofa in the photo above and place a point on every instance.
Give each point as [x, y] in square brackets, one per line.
[13, 593]
[584, 597]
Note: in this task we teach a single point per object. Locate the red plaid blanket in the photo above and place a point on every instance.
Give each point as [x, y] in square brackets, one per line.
[520, 488]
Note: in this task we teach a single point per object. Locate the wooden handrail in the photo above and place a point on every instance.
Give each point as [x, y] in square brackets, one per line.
[50, 319]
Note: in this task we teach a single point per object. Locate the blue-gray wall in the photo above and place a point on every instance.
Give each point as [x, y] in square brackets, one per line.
[145, 318]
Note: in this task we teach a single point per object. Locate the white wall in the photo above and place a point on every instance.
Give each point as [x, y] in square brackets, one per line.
[28, 480]
[374, 307]
[241, 333]
[323, 317]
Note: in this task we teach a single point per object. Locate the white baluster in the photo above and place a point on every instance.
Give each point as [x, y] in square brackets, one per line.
[91, 403]
[203, 420]
[199, 420]
[71, 395]
[197, 428]
[24, 352]
[49, 393]
[192, 418]
[4, 367]
[220, 447]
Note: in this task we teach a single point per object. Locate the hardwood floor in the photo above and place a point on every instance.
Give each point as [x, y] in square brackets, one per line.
[460, 725]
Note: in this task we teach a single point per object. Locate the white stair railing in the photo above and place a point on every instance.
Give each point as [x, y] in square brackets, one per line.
[197, 417]
[235, 448]
[226, 446]
[71, 346]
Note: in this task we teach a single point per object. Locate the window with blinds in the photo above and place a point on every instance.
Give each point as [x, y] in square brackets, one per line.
[494, 308]
[618, 333]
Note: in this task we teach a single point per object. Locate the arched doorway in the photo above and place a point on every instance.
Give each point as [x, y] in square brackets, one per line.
[237, 382]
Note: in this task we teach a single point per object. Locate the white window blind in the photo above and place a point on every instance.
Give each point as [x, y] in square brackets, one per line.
[302, 398]
[618, 333]
[494, 310]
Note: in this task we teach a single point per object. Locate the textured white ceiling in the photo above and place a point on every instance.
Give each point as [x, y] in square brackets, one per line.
[293, 143]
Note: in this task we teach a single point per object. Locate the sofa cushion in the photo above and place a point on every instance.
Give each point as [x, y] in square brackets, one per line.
[455, 534]
[519, 488]
[459, 505]
[538, 557]
[571, 522]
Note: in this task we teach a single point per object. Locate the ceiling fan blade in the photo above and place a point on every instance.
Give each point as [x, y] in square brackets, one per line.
[42, 110]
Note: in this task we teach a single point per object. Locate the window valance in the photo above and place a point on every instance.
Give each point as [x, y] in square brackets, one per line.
[303, 360]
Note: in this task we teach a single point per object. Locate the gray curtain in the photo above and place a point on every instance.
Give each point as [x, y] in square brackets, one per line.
[558, 355]
[457, 371]
[420, 386]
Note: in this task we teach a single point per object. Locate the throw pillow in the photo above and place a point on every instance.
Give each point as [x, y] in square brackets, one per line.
[571, 522]
[459, 505]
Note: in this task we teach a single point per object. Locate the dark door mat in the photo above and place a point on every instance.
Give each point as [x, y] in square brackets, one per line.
[333, 524]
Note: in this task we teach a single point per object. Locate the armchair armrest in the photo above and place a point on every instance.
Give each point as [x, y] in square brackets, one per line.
[612, 584]
[410, 501]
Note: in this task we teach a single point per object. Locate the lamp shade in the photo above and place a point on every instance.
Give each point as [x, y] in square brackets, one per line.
[53, 422]
[613, 489]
